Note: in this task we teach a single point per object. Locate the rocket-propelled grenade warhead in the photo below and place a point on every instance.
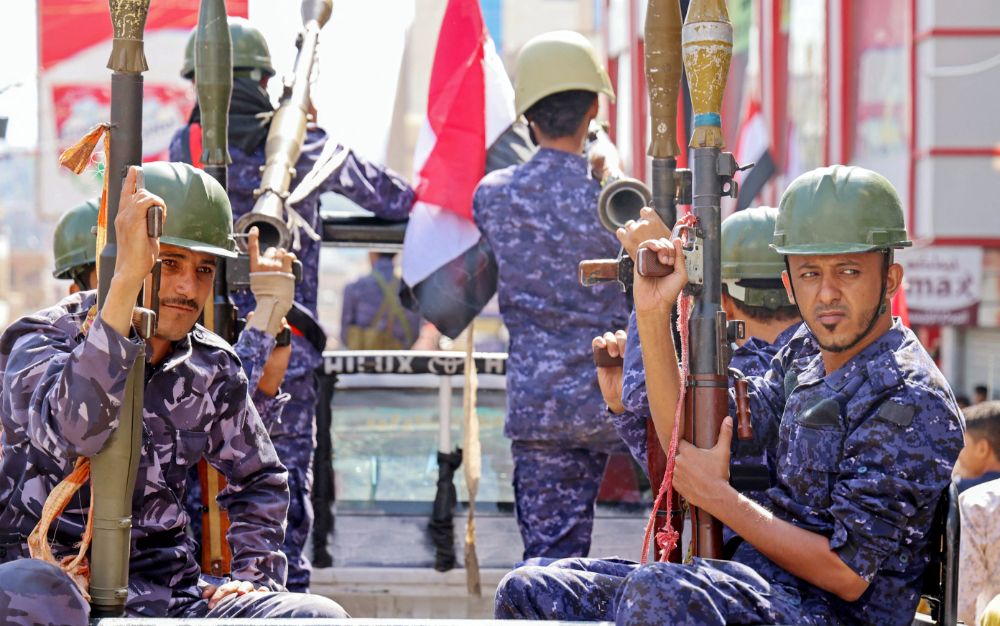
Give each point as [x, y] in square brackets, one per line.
[128, 22]
[663, 74]
[708, 48]
[213, 71]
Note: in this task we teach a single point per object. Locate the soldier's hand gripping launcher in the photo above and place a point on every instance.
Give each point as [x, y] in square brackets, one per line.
[286, 136]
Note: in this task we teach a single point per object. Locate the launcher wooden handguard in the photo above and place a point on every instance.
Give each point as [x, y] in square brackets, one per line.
[216, 557]
[744, 429]
[648, 264]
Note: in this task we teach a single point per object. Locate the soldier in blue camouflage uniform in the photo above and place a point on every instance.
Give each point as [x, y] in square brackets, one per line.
[371, 186]
[372, 303]
[64, 371]
[540, 219]
[865, 427]
[752, 291]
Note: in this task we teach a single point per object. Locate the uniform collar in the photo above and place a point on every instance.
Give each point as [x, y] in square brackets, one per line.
[551, 157]
[786, 335]
[183, 349]
[876, 357]
[756, 345]
[383, 267]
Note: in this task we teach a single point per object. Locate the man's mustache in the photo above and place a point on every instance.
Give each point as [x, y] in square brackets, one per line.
[181, 302]
[820, 310]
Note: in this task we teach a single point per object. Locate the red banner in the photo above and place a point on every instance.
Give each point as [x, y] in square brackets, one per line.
[165, 108]
[69, 26]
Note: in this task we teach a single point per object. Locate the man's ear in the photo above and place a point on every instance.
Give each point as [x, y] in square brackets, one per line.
[73, 289]
[595, 108]
[788, 286]
[894, 280]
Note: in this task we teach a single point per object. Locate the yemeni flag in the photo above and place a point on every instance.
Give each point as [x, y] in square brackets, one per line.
[753, 146]
[448, 271]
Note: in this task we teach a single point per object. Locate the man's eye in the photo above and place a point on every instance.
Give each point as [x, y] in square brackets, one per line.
[851, 272]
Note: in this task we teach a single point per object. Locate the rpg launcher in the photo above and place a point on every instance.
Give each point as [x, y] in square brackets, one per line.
[286, 136]
[707, 38]
[114, 469]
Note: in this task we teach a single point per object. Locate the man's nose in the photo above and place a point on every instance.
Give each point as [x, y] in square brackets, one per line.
[187, 284]
[829, 289]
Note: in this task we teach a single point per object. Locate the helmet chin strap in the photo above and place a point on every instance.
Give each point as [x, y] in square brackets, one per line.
[881, 308]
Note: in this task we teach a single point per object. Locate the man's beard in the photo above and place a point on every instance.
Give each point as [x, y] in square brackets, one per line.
[866, 326]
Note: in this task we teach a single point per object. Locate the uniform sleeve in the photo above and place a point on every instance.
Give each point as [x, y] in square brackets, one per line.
[972, 566]
[62, 395]
[634, 397]
[256, 495]
[177, 152]
[631, 427]
[254, 348]
[896, 464]
[347, 313]
[372, 187]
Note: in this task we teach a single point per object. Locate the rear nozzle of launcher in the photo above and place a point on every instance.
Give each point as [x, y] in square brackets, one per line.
[707, 39]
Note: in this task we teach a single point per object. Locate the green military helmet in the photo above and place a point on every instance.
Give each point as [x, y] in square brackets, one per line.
[199, 216]
[747, 256]
[249, 49]
[75, 243]
[562, 60]
[746, 245]
[839, 210]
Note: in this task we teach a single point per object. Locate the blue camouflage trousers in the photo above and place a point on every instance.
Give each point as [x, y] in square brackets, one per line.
[705, 593]
[37, 593]
[555, 488]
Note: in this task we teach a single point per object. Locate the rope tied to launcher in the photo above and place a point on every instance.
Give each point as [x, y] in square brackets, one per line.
[75, 158]
[668, 538]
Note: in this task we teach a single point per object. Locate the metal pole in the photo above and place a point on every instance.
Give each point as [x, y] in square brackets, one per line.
[444, 419]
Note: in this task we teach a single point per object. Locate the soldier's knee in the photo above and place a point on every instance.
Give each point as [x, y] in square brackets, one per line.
[36, 592]
[302, 605]
[513, 589]
[661, 577]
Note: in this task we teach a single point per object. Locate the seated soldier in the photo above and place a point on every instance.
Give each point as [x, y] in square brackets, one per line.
[751, 291]
[64, 371]
[865, 427]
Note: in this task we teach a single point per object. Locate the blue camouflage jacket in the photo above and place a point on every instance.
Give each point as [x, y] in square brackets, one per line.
[540, 219]
[61, 399]
[753, 358]
[863, 454]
